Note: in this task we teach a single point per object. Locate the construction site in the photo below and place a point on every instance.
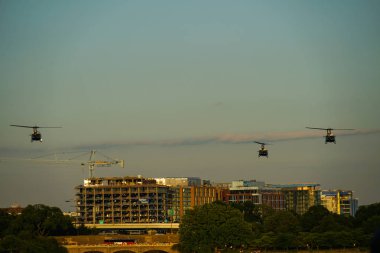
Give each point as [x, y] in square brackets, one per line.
[121, 200]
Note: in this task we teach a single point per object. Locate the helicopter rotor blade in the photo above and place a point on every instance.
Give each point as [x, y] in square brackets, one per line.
[25, 126]
[261, 143]
[319, 128]
[35, 126]
[329, 128]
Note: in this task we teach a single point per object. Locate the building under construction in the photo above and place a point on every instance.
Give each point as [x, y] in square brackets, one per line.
[118, 200]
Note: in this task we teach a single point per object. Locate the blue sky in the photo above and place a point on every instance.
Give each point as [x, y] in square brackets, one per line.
[180, 88]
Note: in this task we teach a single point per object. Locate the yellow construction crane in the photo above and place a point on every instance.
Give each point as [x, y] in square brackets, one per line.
[92, 163]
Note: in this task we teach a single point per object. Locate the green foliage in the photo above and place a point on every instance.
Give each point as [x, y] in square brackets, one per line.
[335, 239]
[213, 226]
[313, 217]
[280, 231]
[28, 231]
[368, 218]
[316, 229]
[251, 212]
[286, 241]
[265, 241]
[371, 224]
[42, 220]
[281, 222]
[332, 222]
[5, 221]
[328, 240]
[365, 212]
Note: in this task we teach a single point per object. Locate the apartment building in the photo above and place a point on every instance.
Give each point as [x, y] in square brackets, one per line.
[242, 191]
[339, 202]
[188, 193]
[274, 198]
[300, 197]
[293, 197]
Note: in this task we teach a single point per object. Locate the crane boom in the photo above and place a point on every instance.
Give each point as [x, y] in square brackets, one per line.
[101, 163]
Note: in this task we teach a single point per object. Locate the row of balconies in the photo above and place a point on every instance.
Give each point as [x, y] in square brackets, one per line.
[132, 201]
[129, 199]
[120, 205]
[123, 195]
[135, 198]
[121, 221]
[90, 210]
[127, 217]
[135, 216]
[120, 197]
[112, 205]
[123, 190]
[126, 209]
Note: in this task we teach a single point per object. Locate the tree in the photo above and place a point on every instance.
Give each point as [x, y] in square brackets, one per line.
[371, 224]
[281, 222]
[365, 212]
[331, 222]
[211, 226]
[5, 221]
[43, 220]
[266, 241]
[367, 225]
[252, 213]
[313, 216]
[11, 243]
[368, 218]
[286, 241]
[28, 231]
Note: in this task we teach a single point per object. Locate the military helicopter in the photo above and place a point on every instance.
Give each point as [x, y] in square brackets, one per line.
[262, 151]
[36, 135]
[330, 137]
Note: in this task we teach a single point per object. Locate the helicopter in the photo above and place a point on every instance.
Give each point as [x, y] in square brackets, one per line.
[36, 135]
[330, 137]
[262, 151]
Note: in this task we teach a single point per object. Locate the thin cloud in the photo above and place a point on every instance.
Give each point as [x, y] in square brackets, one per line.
[271, 137]
[237, 138]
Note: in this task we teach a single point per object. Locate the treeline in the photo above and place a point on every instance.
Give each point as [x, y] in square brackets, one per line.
[31, 230]
[238, 226]
[211, 227]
